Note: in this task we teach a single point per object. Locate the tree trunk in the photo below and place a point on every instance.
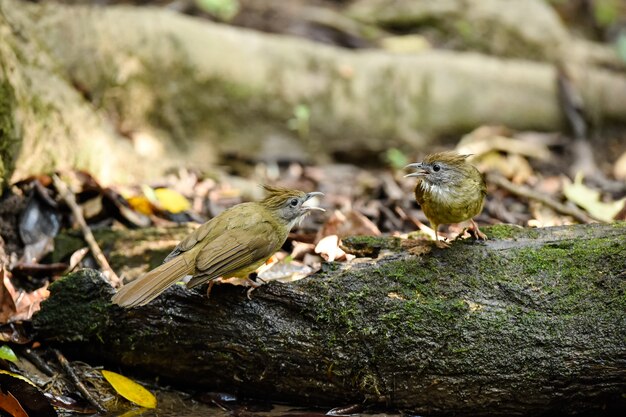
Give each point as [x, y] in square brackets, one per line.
[530, 322]
[183, 89]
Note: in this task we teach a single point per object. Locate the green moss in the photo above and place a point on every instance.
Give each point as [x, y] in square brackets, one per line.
[567, 264]
[89, 313]
[370, 246]
[8, 138]
[507, 231]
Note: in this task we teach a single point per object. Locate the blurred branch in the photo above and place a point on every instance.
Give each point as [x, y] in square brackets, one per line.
[522, 191]
[70, 199]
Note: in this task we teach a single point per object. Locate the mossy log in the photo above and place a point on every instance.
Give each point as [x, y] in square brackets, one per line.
[530, 322]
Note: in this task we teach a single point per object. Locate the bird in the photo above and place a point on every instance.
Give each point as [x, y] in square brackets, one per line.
[233, 244]
[449, 190]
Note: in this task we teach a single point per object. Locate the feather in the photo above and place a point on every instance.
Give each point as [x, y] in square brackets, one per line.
[146, 288]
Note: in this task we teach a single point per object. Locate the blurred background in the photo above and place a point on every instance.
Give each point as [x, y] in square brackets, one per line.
[156, 115]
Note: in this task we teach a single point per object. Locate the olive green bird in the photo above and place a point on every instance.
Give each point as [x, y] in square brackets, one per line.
[450, 190]
[233, 244]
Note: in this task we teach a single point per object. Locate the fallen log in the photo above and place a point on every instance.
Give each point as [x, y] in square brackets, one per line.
[530, 322]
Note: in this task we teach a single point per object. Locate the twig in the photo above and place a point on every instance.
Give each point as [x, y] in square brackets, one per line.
[77, 383]
[36, 360]
[526, 192]
[421, 226]
[69, 198]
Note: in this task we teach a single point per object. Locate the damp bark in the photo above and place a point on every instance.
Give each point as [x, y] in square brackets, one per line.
[530, 322]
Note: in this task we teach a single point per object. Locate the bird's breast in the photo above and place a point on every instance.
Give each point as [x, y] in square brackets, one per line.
[446, 203]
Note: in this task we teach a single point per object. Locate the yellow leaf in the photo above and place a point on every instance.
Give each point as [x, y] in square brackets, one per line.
[23, 378]
[589, 199]
[141, 204]
[130, 390]
[171, 200]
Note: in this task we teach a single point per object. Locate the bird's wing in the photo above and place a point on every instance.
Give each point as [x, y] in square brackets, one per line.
[233, 250]
[190, 241]
[216, 225]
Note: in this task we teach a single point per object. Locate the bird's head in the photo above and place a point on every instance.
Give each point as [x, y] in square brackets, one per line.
[288, 205]
[441, 168]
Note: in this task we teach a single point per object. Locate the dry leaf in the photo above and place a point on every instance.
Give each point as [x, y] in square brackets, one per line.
[329, 248]
[349, 224]
[25, 304]
[486, 139]
[589, 199]
[300, 249]
[11, 405]
[130, 390]
[514, 167]
[7, 305]
[286, 272]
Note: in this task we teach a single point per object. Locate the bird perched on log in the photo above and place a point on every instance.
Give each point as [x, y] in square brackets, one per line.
[450, 190]
[233, 244]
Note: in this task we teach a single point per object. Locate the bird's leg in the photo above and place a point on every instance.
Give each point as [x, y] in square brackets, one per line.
[209, 288]
[476, 231]
[253, 284]
[439, 243]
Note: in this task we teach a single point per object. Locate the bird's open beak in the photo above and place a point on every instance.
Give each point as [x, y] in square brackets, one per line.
[310, 196]
[420, 170]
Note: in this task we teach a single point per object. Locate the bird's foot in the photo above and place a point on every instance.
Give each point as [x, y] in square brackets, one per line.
[472, 231]
[252, 281]
[476, 231]
[442, 244]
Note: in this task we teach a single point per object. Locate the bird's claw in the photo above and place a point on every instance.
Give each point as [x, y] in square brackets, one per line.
[254, 284]
[442, 244]
[476, 231]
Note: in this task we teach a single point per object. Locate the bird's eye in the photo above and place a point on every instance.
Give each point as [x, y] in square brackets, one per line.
[436, 167]
[293, 202]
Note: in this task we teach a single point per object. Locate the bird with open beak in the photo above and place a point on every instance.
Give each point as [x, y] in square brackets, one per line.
[450, 190]
[231, 245]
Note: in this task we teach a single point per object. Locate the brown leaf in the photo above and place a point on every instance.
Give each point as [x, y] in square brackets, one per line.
[19, 305]
[300, 249]
[7, 305]
[349, 224]
[11, 405]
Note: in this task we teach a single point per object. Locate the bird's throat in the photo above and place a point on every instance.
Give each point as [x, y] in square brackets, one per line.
[442, 194]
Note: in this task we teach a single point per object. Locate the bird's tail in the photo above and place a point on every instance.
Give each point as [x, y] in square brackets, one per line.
[146, 288]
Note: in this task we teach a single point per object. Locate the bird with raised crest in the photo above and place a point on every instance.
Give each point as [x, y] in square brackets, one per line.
[233, 244]
[449, 190]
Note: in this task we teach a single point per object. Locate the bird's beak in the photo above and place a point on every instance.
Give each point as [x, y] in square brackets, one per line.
[421, 170]
[310, 196]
